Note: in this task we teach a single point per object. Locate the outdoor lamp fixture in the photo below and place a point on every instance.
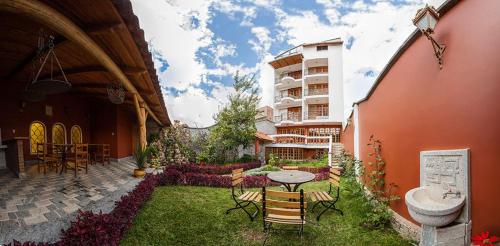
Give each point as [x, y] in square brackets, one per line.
[425, 20]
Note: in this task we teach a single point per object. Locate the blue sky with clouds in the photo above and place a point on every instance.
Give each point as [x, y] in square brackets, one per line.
[199, 44]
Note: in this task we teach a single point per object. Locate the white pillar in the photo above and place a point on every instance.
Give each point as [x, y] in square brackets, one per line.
[330, 151]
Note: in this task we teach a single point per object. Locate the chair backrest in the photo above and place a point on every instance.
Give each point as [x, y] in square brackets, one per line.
[334, 178]
[41, 149]
[105, 149]
[237, 177]
[290, 168]
[282, 203]
[82, 151]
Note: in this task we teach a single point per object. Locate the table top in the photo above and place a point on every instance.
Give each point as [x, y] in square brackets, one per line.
[291, 177]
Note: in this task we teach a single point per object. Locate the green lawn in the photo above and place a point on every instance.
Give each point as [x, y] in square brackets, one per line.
[186, 215]
[313, 163]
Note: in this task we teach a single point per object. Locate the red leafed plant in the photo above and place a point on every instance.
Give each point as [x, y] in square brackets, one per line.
[484, 239]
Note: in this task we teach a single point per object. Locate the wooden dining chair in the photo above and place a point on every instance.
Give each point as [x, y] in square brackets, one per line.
[80, 158]
[280, 207]
[106, 150]
[46, 159]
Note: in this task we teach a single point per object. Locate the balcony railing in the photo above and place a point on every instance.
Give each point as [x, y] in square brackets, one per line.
[294, 117]
[279, 97]
[302, 139]
[316, 70]
[316, 92]
[294, 75]
[317, 114]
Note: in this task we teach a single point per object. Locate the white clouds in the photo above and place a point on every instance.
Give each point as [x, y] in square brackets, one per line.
[264, 40]
[195, 107]
[169, 31]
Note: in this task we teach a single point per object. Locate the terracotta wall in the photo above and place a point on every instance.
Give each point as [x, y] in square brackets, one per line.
[114, 125]
[101, 122]
[16, 117]
[418, 107]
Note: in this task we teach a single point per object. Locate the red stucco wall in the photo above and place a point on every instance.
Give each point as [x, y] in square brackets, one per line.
[418, 107]
[16, 117]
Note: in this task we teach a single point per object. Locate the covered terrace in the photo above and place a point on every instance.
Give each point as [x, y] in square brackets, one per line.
[108, 94]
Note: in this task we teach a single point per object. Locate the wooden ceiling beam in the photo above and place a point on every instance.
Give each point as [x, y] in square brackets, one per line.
[133, 71]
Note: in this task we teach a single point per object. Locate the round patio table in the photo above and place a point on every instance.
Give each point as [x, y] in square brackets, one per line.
[289, 178]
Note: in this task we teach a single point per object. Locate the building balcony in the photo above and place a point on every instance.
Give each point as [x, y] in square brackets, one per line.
[288, 81]
[316, 92]
[316, 115]
[289, 118]
[302, 141]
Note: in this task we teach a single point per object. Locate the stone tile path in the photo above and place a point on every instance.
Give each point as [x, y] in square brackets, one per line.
[37, 207]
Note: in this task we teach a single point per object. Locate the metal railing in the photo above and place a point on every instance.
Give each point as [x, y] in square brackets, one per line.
[316, 92]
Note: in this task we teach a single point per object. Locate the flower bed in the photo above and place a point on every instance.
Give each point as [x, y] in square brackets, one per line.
[214, 169]
[182, 175]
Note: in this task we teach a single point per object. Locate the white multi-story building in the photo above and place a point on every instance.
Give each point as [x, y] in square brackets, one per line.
[308, 103]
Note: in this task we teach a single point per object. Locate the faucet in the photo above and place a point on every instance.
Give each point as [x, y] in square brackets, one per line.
[449, 192]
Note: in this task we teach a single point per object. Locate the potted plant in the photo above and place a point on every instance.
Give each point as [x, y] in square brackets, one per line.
[141, 157]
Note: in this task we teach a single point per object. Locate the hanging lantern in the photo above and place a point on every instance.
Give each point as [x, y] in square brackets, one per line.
[50, 85]
[116, 93]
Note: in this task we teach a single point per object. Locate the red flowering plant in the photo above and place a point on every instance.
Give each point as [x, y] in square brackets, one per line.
[484, 239]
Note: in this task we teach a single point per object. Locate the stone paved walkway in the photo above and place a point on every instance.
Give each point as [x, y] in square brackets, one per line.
[37, 207]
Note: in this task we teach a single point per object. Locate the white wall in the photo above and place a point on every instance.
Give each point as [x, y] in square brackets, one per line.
[266, 127]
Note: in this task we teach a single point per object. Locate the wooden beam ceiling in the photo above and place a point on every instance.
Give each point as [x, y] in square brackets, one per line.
[60, 40]
[60, 23]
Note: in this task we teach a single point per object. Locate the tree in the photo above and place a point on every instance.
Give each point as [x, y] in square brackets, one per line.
[176, 141]
[235, 123]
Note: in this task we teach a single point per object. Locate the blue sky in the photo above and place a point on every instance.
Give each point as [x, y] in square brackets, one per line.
[199, 44]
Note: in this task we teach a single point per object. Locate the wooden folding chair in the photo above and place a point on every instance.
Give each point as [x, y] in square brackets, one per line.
[80, 159]
[44, 158]
[242, 198]
[325, 198]
[282, 207]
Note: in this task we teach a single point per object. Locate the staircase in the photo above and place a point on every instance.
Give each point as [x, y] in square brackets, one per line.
[337, 149]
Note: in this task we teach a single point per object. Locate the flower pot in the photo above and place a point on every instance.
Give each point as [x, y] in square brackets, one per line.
[138, 172]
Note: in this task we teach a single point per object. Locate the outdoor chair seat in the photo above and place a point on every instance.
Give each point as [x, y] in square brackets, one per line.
[285, 219]
[319, 196]
[251, 196]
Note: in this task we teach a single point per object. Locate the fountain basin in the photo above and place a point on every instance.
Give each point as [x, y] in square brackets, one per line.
[429, 210]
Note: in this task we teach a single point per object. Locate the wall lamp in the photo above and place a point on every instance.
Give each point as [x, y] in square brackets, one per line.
[425, 20]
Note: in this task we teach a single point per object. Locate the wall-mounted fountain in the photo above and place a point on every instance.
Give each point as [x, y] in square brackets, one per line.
[442, 202]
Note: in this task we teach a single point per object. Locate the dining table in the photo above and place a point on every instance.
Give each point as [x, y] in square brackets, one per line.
[291, 180]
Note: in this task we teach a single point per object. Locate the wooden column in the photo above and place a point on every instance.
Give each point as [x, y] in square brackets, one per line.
[142, 115]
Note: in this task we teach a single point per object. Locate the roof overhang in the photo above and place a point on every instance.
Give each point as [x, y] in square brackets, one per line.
[287, 61]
